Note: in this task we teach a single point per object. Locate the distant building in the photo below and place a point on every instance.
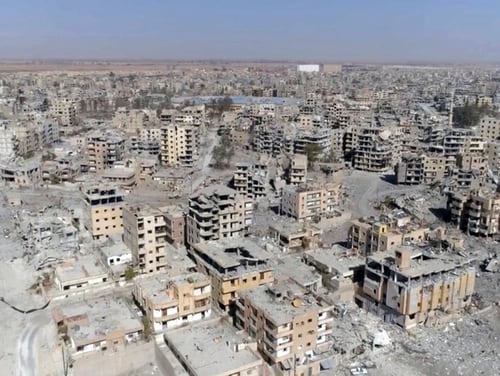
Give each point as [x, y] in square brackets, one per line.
[103, 151]
[179, 145]
[489, 129]
[424, 169]
[308, 68]
[388, 232]
[297, 171]
[476, 212]
[64, 109]
[308, 202]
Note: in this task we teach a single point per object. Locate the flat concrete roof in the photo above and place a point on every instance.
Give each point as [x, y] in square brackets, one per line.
[422, 262]
[275, 300]
[98, 318]
[209, 348]
[84, 267]
[336, 260]
[232, 253]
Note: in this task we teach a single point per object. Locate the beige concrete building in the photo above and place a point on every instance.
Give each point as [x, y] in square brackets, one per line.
[476, 211]
[297, 171]
[212, 348]
[25, 174]
[410, 285]
[169, 302]
[105, 325]
[292, 328]
[175, 222]
[307, 202]
[64, 109]
[103, 206]
[292, 236]
[341, 269]
[385, 233]
[424, 168]
[80, 273]
[250, 180]
[144, 233]
[493, 154]
[234, 265]
[179, 145]
[217, 212]
[489, 129]
[103, 151]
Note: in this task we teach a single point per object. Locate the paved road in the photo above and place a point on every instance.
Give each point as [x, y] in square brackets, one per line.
[200, 175]
[27, 349]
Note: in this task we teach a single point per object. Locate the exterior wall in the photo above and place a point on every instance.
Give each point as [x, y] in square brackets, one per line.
[104, 212]
[489, 129]
[413, 300]
[178, 145]
[145, 235]
[287, 341]
[304, 204]
[190, 301]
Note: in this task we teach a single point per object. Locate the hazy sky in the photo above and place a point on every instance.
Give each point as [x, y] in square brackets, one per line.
[308, 30]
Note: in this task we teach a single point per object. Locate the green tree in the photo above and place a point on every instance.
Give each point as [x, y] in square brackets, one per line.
[130, 273]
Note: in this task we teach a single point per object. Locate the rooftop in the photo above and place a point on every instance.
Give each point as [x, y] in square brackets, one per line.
[82, 267]
[212, 348]
[336, 260]
[234, 255]
[92, 321]
[422, 262]
[281, 302]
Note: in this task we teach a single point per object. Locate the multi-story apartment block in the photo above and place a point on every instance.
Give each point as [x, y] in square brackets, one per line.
[217, 212]
[476, 211]
[179, 145]
[104, 150]
[307, 202]
[377, 149]
[458, 141]
[411, 285]
[175, 222]
[489, 129]
[493, 154]
[385, 233]
[169, 302]
[9, 144]
[144, 233]
[249, 180]
[234, 265]
[64, 109]
[103, 210]
[297, 171]
[424, 168]
[292, 327]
